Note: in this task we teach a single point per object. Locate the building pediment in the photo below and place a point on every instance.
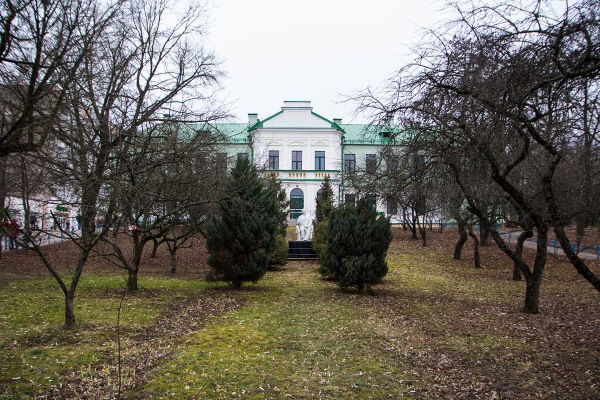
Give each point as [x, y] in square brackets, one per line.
[293, 114]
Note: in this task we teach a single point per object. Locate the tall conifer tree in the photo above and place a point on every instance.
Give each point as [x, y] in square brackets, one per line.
[324, 201]
[241, 240]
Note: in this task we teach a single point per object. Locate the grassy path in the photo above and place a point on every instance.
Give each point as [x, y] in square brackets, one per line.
[297, 338]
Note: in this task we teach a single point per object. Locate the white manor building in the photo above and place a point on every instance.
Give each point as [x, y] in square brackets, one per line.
[302, 147]
[298, 145]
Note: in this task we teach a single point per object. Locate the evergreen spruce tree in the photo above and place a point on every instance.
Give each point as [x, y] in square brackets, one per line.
[241, 239]
[280, 252]
[357, 245]
[321, 223]
[324, 202]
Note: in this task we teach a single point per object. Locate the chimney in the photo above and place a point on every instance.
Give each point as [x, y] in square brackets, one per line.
[337, 121]
[252, 119]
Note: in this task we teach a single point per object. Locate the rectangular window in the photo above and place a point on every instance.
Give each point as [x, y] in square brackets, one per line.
[243, 156]
[349, 163]
[274, 159]
[392, 206]
[350, 199]
[319, 160]
[393, 163]
[371, 163]
[296, 160]
[419, 161]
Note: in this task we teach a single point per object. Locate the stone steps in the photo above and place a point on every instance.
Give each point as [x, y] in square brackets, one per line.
[301, 250]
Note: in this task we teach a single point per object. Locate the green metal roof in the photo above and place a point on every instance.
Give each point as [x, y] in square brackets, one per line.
[234, 132]
[364, 134]
[352, 133]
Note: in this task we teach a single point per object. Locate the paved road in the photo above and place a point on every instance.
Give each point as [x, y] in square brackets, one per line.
[590, 254]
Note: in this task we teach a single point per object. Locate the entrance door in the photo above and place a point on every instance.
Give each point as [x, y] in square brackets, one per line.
[296, 203]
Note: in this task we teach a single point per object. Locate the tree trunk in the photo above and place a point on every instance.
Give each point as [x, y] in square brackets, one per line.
[132, 279]
[423, 231]
[485, 237]
[173, 262]
[476, 255]
[69, 311]
[534, 281]
[413, 226]
[517, 276]
[462, 231]
[138, 250]
[532, 295]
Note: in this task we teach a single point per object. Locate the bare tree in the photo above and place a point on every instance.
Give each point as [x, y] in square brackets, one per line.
[153, 70]
[138, 70]
[498, 88]
[168, 188]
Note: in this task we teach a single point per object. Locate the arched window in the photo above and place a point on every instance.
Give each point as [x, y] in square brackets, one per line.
[296, 203]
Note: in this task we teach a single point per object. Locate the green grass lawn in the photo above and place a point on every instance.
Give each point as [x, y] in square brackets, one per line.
[436, 328]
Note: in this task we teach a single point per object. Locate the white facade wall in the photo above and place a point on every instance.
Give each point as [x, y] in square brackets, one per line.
[48, 212]
[297, 128]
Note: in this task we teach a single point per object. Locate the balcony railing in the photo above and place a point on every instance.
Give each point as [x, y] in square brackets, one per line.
[301, 175]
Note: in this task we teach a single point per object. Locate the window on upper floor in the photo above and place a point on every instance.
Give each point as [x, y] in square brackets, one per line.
[371, 163]
[274, 159]
[221, 163]
[296, 160]
[319, 160]
[419, 161]
[393, 163]
[349, 163]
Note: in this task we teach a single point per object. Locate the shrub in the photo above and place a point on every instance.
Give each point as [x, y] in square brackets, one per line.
[319, 245]
[280, 252]
[358, 241]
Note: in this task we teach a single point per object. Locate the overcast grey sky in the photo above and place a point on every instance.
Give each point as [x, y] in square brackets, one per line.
[276, 50]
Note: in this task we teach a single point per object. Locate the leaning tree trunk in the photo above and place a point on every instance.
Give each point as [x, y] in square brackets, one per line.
[463, 237]
[154, 247]
[476, 255]
[533, 281]
[517, 276]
